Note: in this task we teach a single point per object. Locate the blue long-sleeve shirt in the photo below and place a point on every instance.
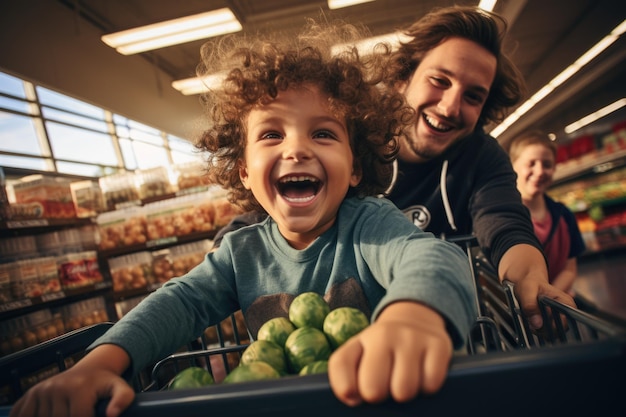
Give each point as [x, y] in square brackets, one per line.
[372, 256]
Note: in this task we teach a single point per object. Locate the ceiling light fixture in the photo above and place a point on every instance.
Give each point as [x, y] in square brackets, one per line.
[199, 85]
[560, 78]
[487, 5]
[173, 32]
[338, 4]
[598, 114]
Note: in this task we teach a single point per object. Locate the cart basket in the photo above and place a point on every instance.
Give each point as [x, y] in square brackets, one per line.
[576, 379]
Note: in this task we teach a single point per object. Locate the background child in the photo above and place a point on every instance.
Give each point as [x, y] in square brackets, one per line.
[533, 155]
[306, 137]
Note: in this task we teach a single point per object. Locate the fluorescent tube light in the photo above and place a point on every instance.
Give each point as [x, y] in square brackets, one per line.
[197, 85]
[487, 5]
[338, 4]
[590, 118]
[568, 72]
[173, 32]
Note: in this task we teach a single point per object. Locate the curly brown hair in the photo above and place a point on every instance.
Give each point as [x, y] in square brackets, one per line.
[258, 69]
[486, 29]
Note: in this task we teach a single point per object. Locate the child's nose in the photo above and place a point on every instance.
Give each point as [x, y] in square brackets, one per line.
[297, 148]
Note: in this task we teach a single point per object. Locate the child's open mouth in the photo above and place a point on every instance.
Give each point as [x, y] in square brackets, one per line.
[298, 189]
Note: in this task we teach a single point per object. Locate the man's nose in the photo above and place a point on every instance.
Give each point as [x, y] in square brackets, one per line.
[450, 103]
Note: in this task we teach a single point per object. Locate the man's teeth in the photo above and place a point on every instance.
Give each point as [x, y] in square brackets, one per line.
[436, 125]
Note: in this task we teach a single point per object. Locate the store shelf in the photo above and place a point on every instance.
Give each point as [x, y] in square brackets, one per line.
[29, 305]
[157, 244]
[589, 166]
[15, 227]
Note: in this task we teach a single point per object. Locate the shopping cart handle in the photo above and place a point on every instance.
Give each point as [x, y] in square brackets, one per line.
[581, 379]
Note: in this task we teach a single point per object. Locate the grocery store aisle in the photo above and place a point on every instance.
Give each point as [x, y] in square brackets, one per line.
[602, 283]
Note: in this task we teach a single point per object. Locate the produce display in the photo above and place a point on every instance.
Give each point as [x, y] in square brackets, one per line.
[298, 345]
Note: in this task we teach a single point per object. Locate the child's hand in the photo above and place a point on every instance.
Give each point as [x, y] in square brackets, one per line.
[407, 350]
[75, 392]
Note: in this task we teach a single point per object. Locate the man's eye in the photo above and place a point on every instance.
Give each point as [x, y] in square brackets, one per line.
[438, 81]
[475, 98]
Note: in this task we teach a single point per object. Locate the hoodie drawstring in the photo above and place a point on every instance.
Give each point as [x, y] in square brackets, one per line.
[442, 184]
[444, 195]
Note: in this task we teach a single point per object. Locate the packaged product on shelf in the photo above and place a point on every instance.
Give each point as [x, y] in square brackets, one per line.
[186, 256]
[123, 227]
[25, 279]
[44, 325]
[162, 219]
[59, 242]
[40, 196]
[92, 267]
[88, 198]
[119, 189]
[17, 335]
[84, 313]
[48, 274]
[180, 216]
[131, 272]
[155, 182]
[224, 210]
[190, 177]
[73, 271]
[87, 236]
[5, 284]
[18, 247]
[162, 269]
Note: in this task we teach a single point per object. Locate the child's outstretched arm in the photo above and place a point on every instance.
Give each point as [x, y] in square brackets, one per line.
[76, 391]
[407, 350]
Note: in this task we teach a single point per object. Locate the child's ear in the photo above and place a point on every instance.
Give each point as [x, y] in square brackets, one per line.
[243, 174]
[357, 175]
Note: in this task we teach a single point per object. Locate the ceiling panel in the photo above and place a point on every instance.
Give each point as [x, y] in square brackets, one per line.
[57, 43]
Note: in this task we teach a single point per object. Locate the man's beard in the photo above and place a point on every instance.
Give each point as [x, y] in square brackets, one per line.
[424, 152]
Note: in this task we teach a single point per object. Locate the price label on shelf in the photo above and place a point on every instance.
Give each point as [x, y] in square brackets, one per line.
[20, 224]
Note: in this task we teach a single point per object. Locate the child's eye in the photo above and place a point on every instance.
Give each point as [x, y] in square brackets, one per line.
[324, 134]
[271, 135]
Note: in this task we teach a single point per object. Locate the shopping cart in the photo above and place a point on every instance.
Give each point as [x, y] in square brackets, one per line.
[576, 367]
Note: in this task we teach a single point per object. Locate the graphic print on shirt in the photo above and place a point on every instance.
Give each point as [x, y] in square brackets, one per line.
[419, 215]
[348, 293]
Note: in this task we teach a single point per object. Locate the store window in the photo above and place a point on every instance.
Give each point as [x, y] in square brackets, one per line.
[43, 130]
[18, 134]
[76, 144]
[182, 150]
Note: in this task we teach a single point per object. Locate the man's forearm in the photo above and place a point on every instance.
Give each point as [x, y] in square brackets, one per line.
[522, 261]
